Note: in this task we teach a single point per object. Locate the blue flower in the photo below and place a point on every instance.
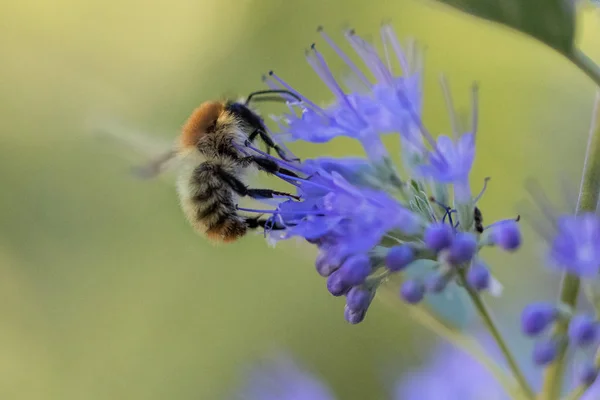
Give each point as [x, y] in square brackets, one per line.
[449, 374]
[391, 103]
[451, 162]
[342, 216]
[576, 245]
[282, 379]
[368, 219]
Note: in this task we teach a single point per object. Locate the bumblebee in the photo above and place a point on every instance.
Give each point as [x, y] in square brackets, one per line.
[214, 162]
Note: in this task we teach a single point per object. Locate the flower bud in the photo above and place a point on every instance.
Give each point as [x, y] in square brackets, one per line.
[398, 257]
[478, 276]
[583, 330]
[506, 235]
[536, 317]
[355, 269]
[354, 317]
[544, 352]
[438, 236]
[358, 298]
[463, 248]
[412, 291]
[336, 285]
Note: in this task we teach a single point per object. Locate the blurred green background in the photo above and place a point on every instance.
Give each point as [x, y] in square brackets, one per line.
[105, 291]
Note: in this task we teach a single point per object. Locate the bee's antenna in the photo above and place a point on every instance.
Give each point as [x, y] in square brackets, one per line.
[272, 91]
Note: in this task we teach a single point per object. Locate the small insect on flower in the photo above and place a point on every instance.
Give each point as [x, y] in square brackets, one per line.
[478, 220]
[213, 163]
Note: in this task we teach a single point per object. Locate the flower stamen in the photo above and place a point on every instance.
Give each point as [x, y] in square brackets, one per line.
[344, 56]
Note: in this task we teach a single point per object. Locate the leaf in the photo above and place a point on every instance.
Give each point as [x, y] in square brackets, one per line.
[453, 304]
[550, 21]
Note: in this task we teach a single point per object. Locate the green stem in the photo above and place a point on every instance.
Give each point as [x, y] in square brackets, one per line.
[588, 199]
[591, 69]
[488, 320]
[468, 344]
[553, 375]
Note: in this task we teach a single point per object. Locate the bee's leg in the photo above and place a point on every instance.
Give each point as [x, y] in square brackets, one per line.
[272, 145]
[268, 165]
[267, 194]
[240, 188]
[253, 135]
[256, 133]
[265, 223]
[269, 143]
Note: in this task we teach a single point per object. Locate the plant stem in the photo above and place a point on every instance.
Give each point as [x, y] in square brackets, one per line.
[488, 320]
[591, 69]
[466, 343]
[553, 375]
[588, 199]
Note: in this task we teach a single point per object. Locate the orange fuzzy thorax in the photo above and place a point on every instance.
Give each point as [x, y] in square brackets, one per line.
[199, 122]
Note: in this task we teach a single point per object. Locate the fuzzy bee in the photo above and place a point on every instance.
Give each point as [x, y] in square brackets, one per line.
[213, 165]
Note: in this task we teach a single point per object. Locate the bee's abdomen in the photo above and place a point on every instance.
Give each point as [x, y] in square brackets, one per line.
[210, 205]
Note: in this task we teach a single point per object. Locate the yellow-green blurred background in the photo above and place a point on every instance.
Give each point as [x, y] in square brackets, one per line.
[106, 293]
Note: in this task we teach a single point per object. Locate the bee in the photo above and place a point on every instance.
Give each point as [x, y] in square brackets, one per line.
[213, 164]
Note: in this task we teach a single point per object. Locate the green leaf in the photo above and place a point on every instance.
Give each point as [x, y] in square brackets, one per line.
[452, 305]
[550, 21]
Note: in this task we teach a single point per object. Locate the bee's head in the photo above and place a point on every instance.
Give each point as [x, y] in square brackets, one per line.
[202, 121]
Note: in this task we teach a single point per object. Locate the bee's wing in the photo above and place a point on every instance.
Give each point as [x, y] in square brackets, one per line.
[138, 143]
[156, 166]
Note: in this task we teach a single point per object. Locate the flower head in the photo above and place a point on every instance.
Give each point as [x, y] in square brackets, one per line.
[342, 216]
[451, 162]
[576, 245]
[282, 379]
[387, 104]
[452, 374]
[368, 219]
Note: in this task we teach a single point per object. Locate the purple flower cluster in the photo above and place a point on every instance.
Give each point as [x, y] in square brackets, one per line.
[368, 218]
[576, 244]
[574, 247]
[583, 333]
[384, 106]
